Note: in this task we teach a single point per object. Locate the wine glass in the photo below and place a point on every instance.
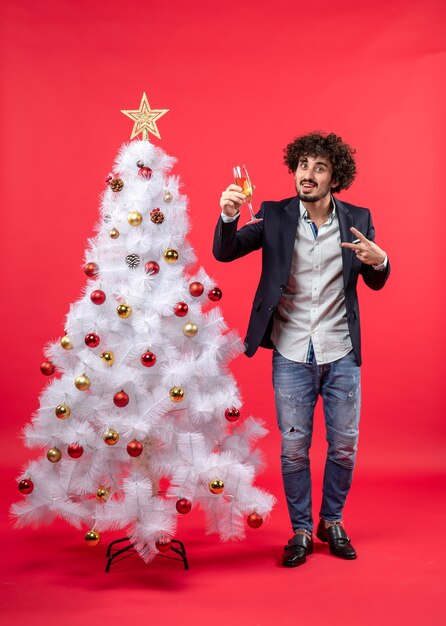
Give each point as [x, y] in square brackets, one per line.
[242, 179]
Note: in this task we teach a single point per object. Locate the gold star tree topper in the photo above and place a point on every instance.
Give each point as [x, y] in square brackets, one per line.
[145, 119]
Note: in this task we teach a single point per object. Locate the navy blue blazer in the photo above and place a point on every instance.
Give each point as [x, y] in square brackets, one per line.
[276, 236]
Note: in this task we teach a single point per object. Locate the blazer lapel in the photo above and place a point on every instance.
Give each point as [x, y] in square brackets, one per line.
[345, 222]
[289, 219]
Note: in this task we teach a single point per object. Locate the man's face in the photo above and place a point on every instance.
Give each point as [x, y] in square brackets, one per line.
[314, 178]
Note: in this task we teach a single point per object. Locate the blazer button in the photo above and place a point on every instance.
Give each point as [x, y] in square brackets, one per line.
[272, 307]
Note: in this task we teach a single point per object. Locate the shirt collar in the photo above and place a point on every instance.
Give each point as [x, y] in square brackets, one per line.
[304, 213]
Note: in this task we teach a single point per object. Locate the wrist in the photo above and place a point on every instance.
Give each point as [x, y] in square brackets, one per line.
[229, 212]
[382, 264]
[229, 218]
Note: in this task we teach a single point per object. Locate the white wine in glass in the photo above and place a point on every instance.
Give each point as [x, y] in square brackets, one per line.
[242, 179]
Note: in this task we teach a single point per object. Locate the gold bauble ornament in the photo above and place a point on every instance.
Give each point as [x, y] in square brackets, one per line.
[82, 382]
[134, 218]
[114, 233]
[63, 411]
[111, 437]
[170, 255]
[66, 344]
[176, 394]
[216, 486]
[124, 310]
[54, 455]
[167, 196]
[108, 358]
[102, 494]
[92, 538]
[190, 329]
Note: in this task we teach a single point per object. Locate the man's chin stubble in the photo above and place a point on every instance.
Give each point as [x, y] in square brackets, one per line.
[310, 198]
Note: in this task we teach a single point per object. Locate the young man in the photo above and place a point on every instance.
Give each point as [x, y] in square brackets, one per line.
[314, 248]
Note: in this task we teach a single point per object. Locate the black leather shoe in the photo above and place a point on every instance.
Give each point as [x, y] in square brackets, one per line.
[295, 553]
[337, 539]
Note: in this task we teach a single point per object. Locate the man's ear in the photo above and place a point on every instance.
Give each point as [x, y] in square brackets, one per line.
[334, 183]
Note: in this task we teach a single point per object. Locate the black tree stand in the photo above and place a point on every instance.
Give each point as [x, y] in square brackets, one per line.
[114, 555]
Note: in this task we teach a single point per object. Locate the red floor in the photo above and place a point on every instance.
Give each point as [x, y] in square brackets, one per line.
[399, 578]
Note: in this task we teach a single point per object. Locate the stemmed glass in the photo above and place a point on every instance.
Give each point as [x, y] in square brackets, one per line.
[242, 179]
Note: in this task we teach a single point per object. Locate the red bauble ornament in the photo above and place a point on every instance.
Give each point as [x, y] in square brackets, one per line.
[254, 520]
[232, 415]
[91, 269]
[109, 178]
[135, 448]
[196, 289]
[92, 340]
[215, 294]
[148, 359]
[97, 296]
[121, 399]
[183, 506]
[145, 172]
[47, 368]
[151, 267]
[181, 309]
[163, 545]
[26, 486]
[75, 451]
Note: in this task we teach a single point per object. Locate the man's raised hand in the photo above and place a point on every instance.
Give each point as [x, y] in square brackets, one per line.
[366, 251]
[231, 200]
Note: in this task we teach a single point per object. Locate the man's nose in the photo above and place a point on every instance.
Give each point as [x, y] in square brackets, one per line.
[310, 172]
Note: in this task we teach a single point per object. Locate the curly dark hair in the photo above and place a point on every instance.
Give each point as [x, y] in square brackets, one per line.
[329, 146]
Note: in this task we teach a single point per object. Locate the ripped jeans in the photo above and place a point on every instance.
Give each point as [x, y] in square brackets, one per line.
[296, 389]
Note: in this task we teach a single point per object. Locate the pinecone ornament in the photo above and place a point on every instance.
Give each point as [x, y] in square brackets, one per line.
[116, 184]
[157, 216]
[132, 261]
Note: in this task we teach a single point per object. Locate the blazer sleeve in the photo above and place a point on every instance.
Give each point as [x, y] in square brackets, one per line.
[231, 244]
[375, 279]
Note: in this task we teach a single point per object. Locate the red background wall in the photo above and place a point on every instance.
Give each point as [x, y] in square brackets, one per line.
[241, 79]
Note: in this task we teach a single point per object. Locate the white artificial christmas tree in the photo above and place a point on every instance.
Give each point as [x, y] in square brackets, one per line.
[144, 394]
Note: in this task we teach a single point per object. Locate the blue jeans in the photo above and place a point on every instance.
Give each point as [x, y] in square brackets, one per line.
[296, 389]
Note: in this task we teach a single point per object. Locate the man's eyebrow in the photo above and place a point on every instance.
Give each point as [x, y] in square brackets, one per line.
[304, 158]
